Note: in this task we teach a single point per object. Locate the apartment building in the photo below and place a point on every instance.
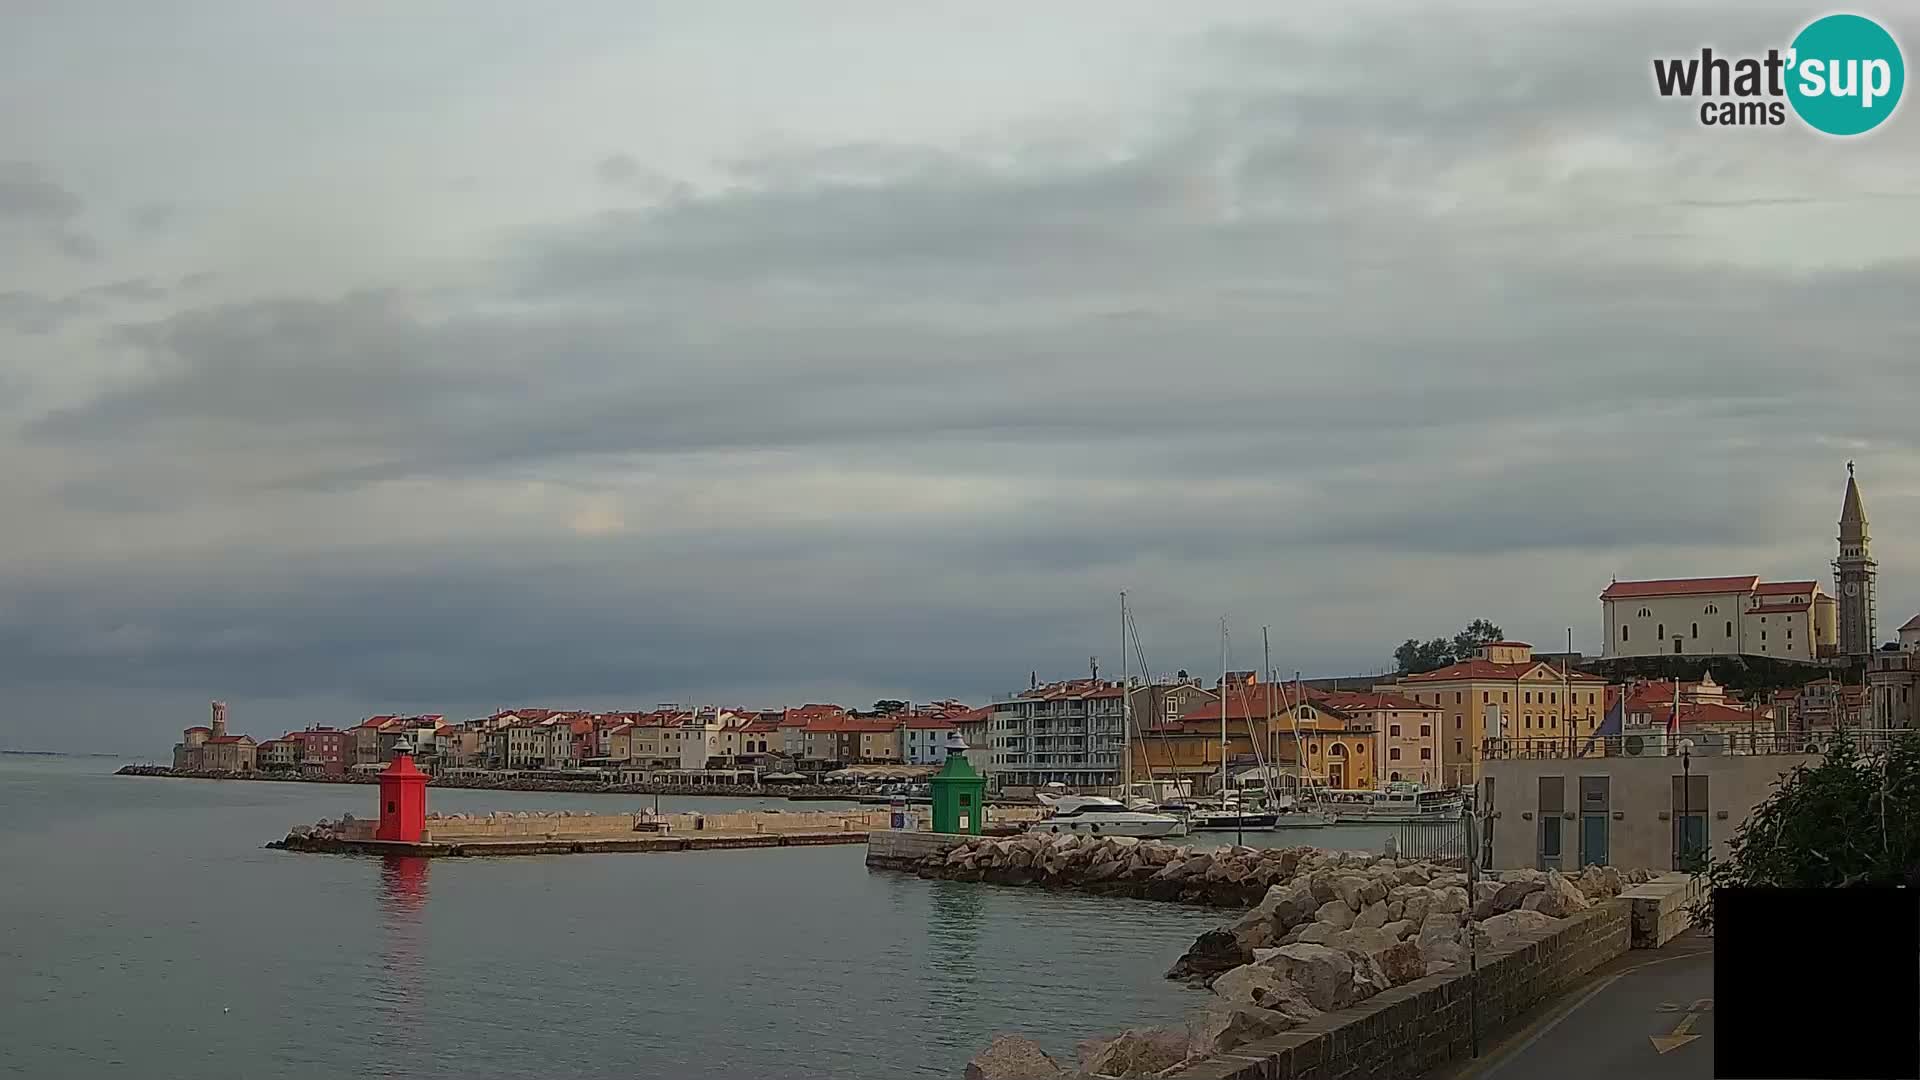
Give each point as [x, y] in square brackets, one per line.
[1503, 692]
[1065, 733]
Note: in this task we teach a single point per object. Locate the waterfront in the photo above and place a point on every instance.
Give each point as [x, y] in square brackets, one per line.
[136, 911]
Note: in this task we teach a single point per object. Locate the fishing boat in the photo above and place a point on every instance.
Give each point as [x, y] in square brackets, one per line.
[1397, 803]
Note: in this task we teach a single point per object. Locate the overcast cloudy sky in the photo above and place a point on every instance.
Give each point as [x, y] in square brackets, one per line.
[362, 357]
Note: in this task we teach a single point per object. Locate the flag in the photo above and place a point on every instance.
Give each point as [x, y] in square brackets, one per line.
[1252, 678]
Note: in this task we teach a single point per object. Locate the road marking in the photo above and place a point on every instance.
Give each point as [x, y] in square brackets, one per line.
[1681, 1036]
[1499, 1055]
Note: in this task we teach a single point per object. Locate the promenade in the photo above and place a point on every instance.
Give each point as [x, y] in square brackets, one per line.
[1647, 1014]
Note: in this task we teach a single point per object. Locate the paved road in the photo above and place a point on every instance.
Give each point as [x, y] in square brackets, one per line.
[1648, 1014]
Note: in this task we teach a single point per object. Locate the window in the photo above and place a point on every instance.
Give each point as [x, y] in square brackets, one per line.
[1646, 613]
[1763, 633]
[1529, 697]
[1789, 633]
[1503, 697]
[1712, 610]
[1527, 721]
[1426, 731]
[1555, 698]
[1394, 777]
[1623, 633]
[1457, 751]
[1426, 753]
[1457, 721]
[1696, 629]
[1393, 753]
[1729, 627]
[1660, 630]
[1393, 729]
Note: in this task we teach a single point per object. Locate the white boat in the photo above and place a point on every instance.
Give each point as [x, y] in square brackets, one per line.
[1395, 804]
[1097, 815]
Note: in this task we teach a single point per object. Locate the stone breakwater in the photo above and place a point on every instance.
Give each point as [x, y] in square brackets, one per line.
[1225, 876]
[1330, 930]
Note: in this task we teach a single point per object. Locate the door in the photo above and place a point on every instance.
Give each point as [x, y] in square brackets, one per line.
[1593, 840]
[1676, 647]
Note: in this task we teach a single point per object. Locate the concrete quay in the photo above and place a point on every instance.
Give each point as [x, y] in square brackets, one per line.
[567, 832]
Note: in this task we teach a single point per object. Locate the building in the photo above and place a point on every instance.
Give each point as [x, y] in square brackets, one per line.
[1893, 680]
[1719, 616]
[976, 728]
[282, 754]
[1853, 575]
[1561, 811]
[324, 750]
[1827, 705]
[212, 749]
[1407, 732]
[1061, 733]
[855, 740]
[926, 739]
[1502, 692]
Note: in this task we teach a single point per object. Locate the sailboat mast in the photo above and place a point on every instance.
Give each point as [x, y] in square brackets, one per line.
[1126, 708]
[1266, 729]
[1223, 711]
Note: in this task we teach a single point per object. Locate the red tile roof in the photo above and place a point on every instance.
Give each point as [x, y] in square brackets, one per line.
[1359, 701]
[1621, 590]
[1785, 588]
[200, 727]
[1487, 669]
[929, 723]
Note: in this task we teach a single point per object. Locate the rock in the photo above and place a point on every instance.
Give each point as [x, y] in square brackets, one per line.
[1324, 975]
[1349, 888]
[300, 832]
[1600, 882]
[1557, 899]
[1375, 890]
[1441, 954]
[1263, 986]
[1013, 1057]
[1484, 890]
[1373, 916]
[1256, 935]
[1495, 932]
[1402, 962]
[1506, 897]
[1334, 913]
[1316, 933]
[1123, 841]
[1222, 1027]
[1395, 909]
[1414, 900]
[1450, 900]
[1213, 952]
[1440, 923]
[1135, 1052]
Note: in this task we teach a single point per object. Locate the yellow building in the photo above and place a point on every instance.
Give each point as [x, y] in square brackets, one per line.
[1502, 692]
[1311, 742]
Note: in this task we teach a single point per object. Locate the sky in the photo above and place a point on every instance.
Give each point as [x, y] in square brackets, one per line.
[445, 357]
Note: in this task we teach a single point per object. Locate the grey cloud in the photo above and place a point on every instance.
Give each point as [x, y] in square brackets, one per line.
[153, 216]
[78, 245]
[28, 194]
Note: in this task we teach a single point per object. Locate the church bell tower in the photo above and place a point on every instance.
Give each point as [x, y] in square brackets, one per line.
[1853, 574]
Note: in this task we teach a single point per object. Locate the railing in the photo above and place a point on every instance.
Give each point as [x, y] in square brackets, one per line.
[1698, 744]
[1433, 841]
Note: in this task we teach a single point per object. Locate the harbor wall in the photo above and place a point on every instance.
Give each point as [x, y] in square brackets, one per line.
[890, 850]
[1426, 1024]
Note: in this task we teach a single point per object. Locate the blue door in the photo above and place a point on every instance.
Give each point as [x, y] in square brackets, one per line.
[1593, 840]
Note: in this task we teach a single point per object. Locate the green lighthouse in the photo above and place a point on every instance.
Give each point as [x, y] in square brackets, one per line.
[959, 793]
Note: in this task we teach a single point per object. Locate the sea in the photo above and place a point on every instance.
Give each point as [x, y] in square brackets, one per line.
[146, 932]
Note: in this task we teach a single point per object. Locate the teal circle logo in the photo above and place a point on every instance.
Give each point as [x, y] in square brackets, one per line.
[1846, 74]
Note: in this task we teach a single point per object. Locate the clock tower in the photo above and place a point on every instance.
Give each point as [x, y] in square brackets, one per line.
[1853, 574]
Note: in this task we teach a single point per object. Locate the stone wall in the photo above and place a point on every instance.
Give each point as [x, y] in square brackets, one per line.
[890, 850]
[1662, 908]
[1425, 1024]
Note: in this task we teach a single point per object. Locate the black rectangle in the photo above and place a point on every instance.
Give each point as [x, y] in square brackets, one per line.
[1812, 984]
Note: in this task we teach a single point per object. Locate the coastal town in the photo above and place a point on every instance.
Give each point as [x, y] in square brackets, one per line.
[1568, 759]
[1726, 661]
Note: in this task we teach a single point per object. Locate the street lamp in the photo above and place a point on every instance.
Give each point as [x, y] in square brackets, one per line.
[1686, 800]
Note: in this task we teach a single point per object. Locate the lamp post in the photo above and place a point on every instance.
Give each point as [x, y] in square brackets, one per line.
[1686, 801]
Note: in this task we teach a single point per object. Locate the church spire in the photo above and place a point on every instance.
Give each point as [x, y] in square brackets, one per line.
[1853, 513]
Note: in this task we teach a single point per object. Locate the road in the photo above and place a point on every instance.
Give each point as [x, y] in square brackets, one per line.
[1648, 1014]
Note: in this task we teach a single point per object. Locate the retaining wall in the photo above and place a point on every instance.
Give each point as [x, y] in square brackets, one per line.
[1412, 1029]
[1662, 908]
[903, 850]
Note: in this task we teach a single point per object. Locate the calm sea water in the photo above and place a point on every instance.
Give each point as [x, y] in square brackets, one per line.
[144, 932]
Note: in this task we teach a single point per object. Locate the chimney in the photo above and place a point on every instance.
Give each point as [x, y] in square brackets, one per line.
[219, 719]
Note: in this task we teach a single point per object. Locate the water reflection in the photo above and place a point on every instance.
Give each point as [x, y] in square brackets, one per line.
[953, 951]
[401, 968]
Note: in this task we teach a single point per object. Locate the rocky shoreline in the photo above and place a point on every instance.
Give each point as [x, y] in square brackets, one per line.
[1326, 930]
[846, 792]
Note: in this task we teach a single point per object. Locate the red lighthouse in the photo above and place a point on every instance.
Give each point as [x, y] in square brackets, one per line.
[403, 798]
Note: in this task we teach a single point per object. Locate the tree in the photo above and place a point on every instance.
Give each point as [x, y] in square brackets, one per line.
[1477, 633]
[1413, 656]
[1851, 820]
[889, 706]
